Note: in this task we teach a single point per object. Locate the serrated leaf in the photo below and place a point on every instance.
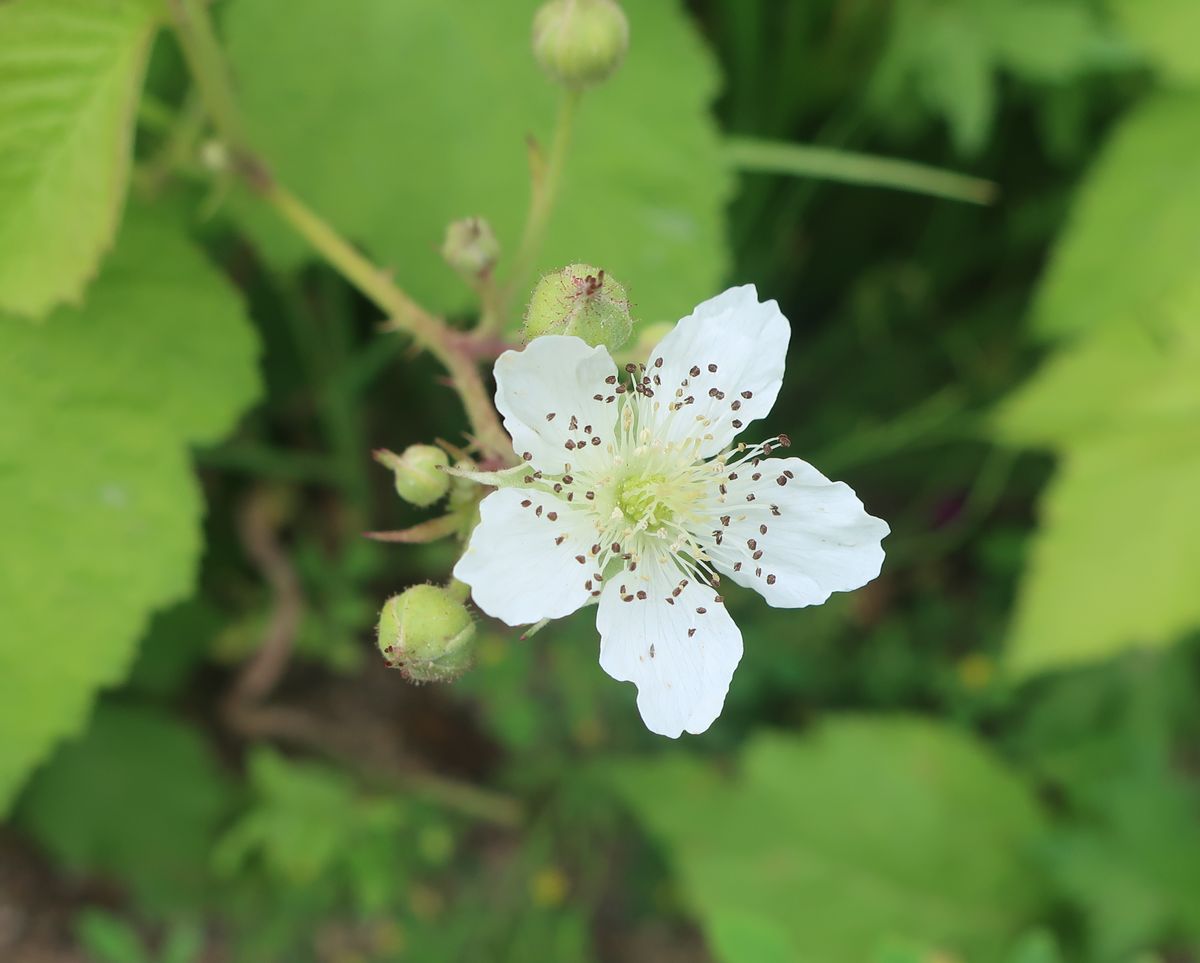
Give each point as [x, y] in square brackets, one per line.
[70, 74]
[1117, 561]
[421, 109]
[1114, 563]
[99, 504]
[139, 798]
[1166, 30]
[1134, 234]
[868, 829]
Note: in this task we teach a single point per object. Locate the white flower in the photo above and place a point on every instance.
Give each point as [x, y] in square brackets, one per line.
[635, 496]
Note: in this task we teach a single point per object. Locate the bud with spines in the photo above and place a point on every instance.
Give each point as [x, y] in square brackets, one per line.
[470, 247]
[418, 472]
[427, 633]
[581, 300]
[579, 43]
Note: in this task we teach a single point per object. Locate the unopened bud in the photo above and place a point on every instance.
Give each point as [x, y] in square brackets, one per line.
[419, 478]
[581, 300]
[427, 634]
[580, 42]
[470, 246]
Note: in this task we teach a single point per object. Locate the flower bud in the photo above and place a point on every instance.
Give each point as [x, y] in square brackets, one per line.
[419, 478]
[470, 246]
[427, 634]
[581, 300]
[580, 42]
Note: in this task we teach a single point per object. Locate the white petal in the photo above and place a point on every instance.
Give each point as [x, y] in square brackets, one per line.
[681, 678]
[540, 389]
[821, 541]
[746, 342]
[516, 570]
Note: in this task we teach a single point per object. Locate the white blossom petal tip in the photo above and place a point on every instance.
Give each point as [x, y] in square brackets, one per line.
[634, 493]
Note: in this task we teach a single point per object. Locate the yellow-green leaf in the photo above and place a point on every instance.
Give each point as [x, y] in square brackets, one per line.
[70, 74]
[99, 503]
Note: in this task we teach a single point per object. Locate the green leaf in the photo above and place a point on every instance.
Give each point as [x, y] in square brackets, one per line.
[99, 503]
[139, 798]
[70, 74]
[1166, 30]
[947, 55]
[417, 117]
[1134, 234]
[1115, 562]
[867, 830]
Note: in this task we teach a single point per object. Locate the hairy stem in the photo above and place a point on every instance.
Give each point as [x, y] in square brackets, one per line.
[207, 63]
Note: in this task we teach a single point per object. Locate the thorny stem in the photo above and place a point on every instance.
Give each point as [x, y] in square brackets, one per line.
[207, 64]
[545, 175]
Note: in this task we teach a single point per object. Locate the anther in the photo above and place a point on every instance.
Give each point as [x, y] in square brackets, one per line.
[747, 395]
[526, 503]
[736, 423]
[770, 579]
[580, 559]
[695, 372]
[550, 417]
[762, 529]
[701, 610]
[712, 368]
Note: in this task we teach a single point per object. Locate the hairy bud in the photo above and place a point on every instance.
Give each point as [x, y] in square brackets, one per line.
[427, 634]
[471, 247]
[580, 42]
[419, 478]
[581, 300]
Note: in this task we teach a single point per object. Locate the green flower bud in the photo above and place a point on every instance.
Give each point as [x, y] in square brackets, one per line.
[581, 300]
[419, 478]
[427, 634]
[471, 247]
[580, 42]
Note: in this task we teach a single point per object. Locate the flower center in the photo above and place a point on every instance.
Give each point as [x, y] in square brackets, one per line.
[643, 501]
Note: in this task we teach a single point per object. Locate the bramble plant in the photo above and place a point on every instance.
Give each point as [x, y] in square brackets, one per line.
[383, 379]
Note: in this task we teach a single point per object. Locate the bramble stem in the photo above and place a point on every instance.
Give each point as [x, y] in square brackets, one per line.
[545, 175]
[207, 63]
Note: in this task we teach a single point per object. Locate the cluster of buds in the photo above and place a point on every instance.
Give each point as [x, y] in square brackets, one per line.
[427, 631]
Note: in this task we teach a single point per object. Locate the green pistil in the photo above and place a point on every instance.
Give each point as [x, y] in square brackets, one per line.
[640, 501]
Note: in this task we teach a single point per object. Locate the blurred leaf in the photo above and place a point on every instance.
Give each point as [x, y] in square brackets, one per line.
[139, 798]
[1128, 254]
[99, 504]
[302, 818]
[308, 826]
[947, 55]
[1126, 847]
[1116, 561]
[1166, 30]
[109, 939]
[71, 71]
[869, 829]
[1135, 867]
[421, 109]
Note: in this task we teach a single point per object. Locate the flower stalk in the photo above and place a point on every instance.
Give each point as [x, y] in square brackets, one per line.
[207, 64]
